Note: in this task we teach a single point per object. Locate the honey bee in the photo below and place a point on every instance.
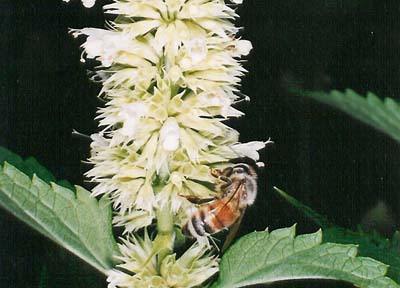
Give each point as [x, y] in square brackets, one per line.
[237, 187]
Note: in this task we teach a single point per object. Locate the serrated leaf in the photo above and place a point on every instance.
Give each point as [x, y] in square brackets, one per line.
[383, 115]
[31, 166]
[265, 258]
[73, 219]
[370, 245]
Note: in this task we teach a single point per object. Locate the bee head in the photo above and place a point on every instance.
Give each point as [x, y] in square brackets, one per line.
[244, 169]
[245, 165]
[241, 168]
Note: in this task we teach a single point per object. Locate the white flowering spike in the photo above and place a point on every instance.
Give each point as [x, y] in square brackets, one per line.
[171, 72]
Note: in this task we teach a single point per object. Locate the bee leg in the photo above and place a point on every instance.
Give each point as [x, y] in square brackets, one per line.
[227, 171]
[196, 200]
[216, 173]
[226, 181]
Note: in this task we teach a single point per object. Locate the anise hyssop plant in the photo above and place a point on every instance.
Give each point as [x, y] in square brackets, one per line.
[170, 72]
[169, 172]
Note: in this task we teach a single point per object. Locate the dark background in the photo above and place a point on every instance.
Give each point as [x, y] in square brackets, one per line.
[338, 166]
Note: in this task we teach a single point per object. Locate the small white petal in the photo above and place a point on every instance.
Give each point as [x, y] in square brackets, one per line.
[177, 179]
[243, 47]
[171, 143]
[170, 135]
[93, 48]
[130, 115]
[99, 140]
[196, 49]
[129, 127]
[249, 149]
[175, 73]
[88, 3]
[260, 164]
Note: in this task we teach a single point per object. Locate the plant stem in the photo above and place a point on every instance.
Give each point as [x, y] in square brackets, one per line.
[166, 235]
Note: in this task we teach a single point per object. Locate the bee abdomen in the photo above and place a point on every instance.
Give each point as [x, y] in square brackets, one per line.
[198, 225]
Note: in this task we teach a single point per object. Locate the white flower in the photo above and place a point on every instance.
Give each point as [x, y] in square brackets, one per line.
[249, 149]
[196, 49]
[191, 269]
[242, 48]
[170, 135]
[86, 3]
[130, 115]
[140, 263]
[103, 44]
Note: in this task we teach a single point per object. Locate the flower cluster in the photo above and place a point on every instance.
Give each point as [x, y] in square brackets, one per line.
[189, 270]
[170, 72]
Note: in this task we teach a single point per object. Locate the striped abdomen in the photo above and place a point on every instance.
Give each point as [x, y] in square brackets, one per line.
[212, 217]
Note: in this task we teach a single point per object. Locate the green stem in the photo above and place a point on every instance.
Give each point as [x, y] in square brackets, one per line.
[165, 233]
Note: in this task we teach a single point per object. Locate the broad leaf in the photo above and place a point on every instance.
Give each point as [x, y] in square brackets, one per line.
[370, 245]
[384, 115]
[265, 258]
[73, 219]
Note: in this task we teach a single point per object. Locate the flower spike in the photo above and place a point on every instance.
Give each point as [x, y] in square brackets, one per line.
[171, 72]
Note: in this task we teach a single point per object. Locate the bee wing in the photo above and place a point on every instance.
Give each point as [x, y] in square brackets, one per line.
[236, 195]
[232, 232]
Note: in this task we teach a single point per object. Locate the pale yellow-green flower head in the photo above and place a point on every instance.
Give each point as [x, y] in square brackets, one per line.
[191, 269]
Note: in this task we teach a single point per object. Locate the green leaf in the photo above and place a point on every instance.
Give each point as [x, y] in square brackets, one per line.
[73, 219]
[384, 115]
[31, 166]
[370, 245]
[265, 258]
[320, 220]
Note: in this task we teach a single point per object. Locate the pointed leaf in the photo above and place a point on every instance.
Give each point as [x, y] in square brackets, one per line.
[370, 245]
[73, 219]
[320, 220]
[383, 115]
[265, 258]
[30, 166]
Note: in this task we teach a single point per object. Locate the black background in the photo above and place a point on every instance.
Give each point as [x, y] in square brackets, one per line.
[338, 166]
